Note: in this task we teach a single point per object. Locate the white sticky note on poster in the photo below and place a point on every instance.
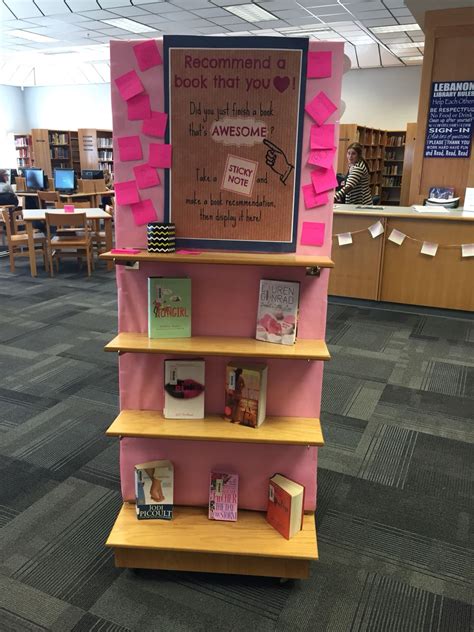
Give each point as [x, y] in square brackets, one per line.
[397, 237]
[467, 250]
[344, 239]
[428, 248]
[376, 229]
[469, 199]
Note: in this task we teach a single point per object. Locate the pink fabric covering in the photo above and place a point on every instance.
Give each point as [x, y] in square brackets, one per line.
[224, 302]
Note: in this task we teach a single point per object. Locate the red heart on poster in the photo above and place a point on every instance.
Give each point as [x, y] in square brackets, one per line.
[281, 83]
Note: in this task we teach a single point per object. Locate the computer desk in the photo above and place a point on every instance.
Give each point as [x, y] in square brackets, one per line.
[95, 197]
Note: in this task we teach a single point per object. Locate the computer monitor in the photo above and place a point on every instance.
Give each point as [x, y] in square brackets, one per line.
[92, 174]
[13, 175]
[34, 179]
[64, 180]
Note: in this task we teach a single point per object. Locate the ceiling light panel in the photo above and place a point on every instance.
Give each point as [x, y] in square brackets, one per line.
[396, 28]
[407, 45]
[33, 37]
[250, 12]
[129, 25]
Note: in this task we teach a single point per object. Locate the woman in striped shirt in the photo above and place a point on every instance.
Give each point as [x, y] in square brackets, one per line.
[356, 189]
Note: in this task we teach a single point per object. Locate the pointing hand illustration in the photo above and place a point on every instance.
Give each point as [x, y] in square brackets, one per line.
[277, 161]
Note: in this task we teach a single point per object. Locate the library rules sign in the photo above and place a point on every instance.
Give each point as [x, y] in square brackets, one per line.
[450, 120]
[235, 107]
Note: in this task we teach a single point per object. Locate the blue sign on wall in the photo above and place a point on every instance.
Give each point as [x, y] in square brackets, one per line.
[450, 120]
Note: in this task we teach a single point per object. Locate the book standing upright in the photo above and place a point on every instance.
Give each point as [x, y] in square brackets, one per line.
[225, 301]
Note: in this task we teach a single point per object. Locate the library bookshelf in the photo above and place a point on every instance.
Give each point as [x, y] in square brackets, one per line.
[389, 155]
[191, 541]
[24, 150]
[96, 149]
[56, 149]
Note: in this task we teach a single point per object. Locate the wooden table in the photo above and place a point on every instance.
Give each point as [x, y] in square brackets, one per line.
[95, 197]
[35, 215]
[379, 270]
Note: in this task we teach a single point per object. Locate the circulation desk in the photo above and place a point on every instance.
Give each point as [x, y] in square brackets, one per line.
[379, 270]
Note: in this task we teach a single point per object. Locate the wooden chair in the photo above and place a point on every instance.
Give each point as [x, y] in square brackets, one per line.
[48, 199]
[17, 240]
[75, 245]
[20, 183]
[86, 186]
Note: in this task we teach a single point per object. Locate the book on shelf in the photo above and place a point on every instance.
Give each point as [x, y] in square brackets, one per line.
[184, 389]
[169, 307]
[223, 496]
[285, 505]
[154, 490]
[277, 315]
[246, 393]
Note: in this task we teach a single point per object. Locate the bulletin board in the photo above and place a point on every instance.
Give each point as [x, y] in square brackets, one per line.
[235, 122]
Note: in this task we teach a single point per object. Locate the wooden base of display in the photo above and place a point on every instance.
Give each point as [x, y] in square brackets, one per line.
[191, 542]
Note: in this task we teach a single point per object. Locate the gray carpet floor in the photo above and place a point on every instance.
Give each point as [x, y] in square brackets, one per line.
[395, 477]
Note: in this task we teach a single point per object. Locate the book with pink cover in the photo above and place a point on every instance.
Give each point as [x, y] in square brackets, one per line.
[223, 496]
[277, 314]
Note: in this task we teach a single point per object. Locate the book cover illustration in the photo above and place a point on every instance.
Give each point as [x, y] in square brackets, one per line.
[246, 393]
[154, 490]
[441, 193]
[223, 496]
[169, 307]
[285, 505]
[277, 314]
[184, 389]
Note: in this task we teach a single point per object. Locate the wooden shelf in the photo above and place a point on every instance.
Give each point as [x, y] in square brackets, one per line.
[227, 258]
[219, 346]
[193, 542]
[275, 430]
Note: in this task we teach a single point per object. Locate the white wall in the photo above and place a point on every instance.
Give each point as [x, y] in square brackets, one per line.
[12, 119]
[384, 98]
[69, 107]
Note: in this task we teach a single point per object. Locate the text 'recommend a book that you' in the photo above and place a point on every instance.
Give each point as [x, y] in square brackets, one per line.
[169, 307]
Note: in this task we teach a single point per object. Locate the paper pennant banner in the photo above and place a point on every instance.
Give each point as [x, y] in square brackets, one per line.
[376, 229]
[397, 237]
[467, 250]
[344, 239]
[429, 249]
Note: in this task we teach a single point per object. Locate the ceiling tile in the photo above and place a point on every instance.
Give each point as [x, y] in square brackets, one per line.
[98, 15]
[212, 12]
[128, 12]
[317, 3]
[368, 56]
[52, 7]
[407, 20]
[394, 4]
[232, 19]
[212, 30]
[380, 22]
[289, 13]
[82, 5]
[23, 8]
[16, 24]
[115, 4]
[372, 15]
[333, 10]
[401, 13]
[189, 5]
[73, 17]
[358, 6]
[388, 59]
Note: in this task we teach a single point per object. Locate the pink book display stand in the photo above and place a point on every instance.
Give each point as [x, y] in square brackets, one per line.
[224, 303]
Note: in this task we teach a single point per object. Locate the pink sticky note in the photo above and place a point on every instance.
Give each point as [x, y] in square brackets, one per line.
[160, 155]
[156, 125]
[312, 234]
[311, 199]
[322, 157]
[320, 108]
[130, 148]
[188, 252]
[146, 176]
[125, 251]
[319, 65]
[144, 212]
[139, 108]
[323, 179]
[126, 192]
[129, 85]
[322, 137]
[147, 55]
[69, 208]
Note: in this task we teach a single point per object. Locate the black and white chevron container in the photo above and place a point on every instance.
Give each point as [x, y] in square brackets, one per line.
[160, 237]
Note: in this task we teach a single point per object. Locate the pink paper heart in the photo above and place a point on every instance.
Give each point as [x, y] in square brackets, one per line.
[281, 83]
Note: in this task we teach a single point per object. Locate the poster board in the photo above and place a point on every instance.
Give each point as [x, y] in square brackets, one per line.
[235, 109]
[450, 120]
